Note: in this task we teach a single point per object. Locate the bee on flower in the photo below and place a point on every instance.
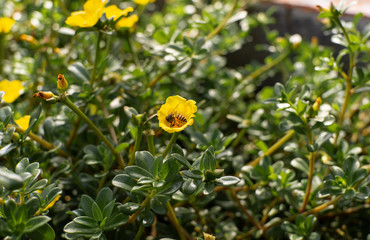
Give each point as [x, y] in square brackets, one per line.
[176, 114]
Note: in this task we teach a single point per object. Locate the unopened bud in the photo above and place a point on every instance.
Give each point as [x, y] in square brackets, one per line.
[317, 104]
[44, 95]
[62, 83]
[208, 236]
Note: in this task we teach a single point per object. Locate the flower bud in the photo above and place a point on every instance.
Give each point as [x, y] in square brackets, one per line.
[62, 83]
[317, 104]
[44, 95]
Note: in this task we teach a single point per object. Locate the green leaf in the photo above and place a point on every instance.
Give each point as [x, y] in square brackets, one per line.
[73, 227]
[158, 204]
[45, 232]
[146, 218]
[96, 212]
[261, 145]
[300, 164]
[182, 160]
[123, 181]
[122, 147]
[10, 180]
[227, 180]
[157, 165]
[195, 174]
[38, 185]
[349, 194]
[35, 222]
[6, 149]
[138, 172]
[129, 208]
[145, 160]
[86, 221]
[115, 221]
[189, 186]
[79, 72]
[86, 203]
[104, 197]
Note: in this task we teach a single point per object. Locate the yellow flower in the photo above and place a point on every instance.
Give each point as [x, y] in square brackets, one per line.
[13, 89]
[62, 83]
[27, 38]
[23, 122]
[208, 236]
[6, 24]
[52, 203]
[93, 10]
[316, 105]
[176, 114]
[127, 22]
[143, 2]
[114, 12]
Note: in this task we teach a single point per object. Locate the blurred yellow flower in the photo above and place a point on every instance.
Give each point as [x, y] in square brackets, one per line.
[114, 12]
[27, 38]
[93, 10]
[23, 122]
[127, 22]
[13, 89]
[176, 114]
[6, 24]
[52, 203]
[143, 2]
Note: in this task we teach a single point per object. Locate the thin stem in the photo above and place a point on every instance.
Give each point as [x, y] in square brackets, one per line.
[223, 23]
[244, 210]
[139, 233]
[174, 221]
[75, 109]
[97, 50]
[150, 140]
[42, 142]
[110, 126]
[274, 147]
[139, 136]
[73, 134]
[143, 205]
[157, 78]
[311, 167]
[169, 146]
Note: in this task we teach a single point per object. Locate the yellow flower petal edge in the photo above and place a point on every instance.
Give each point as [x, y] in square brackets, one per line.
[115, 12]
[23, 122]
[176, 105]
[13, 89]
[143, 2]
[127, 22]
[6, 24]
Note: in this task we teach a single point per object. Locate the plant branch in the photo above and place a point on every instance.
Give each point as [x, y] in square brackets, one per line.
[97, 50]
[223, 23]
[274, 147]
[43, 142]
[169, 146]
[174, 221]
[75, 109]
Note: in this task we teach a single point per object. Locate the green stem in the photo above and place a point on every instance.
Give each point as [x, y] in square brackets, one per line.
[150, 140]
[75, 109]
[175, 222]
[274, 147]
[97, 50]
[311, 167]
[169, 146]
[139, 136]
[223, 23]
[139, 233]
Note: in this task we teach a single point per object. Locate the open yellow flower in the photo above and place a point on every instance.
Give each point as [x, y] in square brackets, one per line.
[176, 114]
[23, 122]
[114, 12]
[6, 24]
[13, 89]
[143, 2]
[93, 10]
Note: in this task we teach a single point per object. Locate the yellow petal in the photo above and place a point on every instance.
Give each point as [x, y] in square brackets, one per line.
[143, 2]
[176, 105]
[93, 10]
[115, 12]
[13, 89]
[6, 24]
[23, 122]
[52, 203]
[127, 22]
